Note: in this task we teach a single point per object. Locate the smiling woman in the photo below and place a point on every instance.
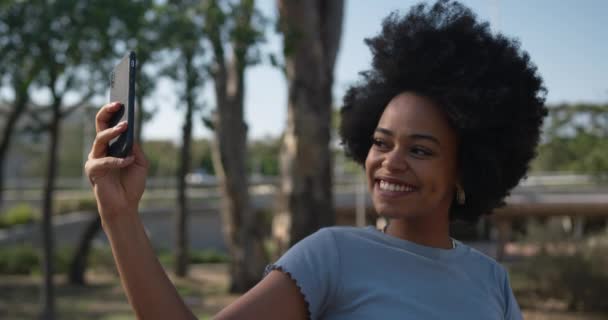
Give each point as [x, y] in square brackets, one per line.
[445, 124]
[412, 168]
[483, 84]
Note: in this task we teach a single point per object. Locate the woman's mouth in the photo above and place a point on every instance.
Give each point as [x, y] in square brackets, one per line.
[393, 189]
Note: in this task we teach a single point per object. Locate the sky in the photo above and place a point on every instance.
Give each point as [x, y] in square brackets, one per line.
[567, 40]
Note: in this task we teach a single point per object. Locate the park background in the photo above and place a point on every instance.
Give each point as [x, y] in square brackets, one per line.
[55, 60]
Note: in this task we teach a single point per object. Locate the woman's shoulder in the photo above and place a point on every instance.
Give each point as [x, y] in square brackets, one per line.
[345, 230]
[338, 233]
[483, 261]
[338, 237]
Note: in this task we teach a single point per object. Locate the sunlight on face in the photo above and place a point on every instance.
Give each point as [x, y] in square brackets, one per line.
[412, 164]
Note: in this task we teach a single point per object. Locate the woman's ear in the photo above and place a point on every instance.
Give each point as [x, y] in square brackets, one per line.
[460, 194]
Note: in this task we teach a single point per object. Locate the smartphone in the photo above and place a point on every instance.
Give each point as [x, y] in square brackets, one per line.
[122, 89]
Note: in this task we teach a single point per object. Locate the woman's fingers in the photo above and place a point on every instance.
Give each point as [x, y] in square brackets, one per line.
[140, 157]
[100, 145]
[105, 114]
[98, 168]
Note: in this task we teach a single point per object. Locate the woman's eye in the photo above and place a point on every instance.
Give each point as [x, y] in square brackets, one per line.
[421, 152]
[378, 143]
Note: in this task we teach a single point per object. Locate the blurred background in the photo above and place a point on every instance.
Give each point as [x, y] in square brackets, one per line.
[237, 113]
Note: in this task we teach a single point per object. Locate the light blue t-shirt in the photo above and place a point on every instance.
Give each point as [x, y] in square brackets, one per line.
[362, 273]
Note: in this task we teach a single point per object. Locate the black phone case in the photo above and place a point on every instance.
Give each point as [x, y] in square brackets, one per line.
[122, 89]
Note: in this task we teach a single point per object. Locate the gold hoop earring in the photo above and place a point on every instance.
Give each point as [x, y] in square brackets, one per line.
[460, 195]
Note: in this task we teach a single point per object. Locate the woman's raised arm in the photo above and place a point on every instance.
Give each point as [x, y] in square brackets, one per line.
[118, 185]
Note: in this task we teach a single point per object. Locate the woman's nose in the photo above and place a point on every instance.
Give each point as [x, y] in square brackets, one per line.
[395, 161]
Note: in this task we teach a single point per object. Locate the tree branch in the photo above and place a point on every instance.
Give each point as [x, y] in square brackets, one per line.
[214, 20]
[38, 124]
[75, 106]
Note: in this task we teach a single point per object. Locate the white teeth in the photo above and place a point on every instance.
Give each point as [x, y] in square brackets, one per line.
[394, 187]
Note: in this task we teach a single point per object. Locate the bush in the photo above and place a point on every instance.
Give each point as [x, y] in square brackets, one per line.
[19, 260]
[19, 214]
[25, 259]
[579, 280]
[63, 257]
[207, 256]
[101, 258]
[166, 257]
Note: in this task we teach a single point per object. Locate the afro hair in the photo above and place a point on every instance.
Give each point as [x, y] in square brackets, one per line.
[484, 82]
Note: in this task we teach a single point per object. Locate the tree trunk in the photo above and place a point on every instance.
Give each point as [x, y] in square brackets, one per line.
[48, 297]
[78, 265]
[18, 109]
[242, 228]
[312, 32]
[241, 225]
[181, 231]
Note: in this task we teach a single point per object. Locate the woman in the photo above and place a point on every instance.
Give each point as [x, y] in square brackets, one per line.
[445, 124]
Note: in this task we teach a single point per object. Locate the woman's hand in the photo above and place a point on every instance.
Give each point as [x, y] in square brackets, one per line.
[118, 183]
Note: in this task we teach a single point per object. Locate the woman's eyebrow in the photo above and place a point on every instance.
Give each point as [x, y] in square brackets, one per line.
[417, 136]
[425, 137]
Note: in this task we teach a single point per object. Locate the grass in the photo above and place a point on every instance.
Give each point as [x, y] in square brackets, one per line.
[103, 299]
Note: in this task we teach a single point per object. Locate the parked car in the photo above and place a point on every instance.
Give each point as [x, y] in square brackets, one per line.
[200, 177]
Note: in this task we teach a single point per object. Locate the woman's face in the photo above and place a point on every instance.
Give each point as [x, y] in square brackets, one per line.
[412, 164]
